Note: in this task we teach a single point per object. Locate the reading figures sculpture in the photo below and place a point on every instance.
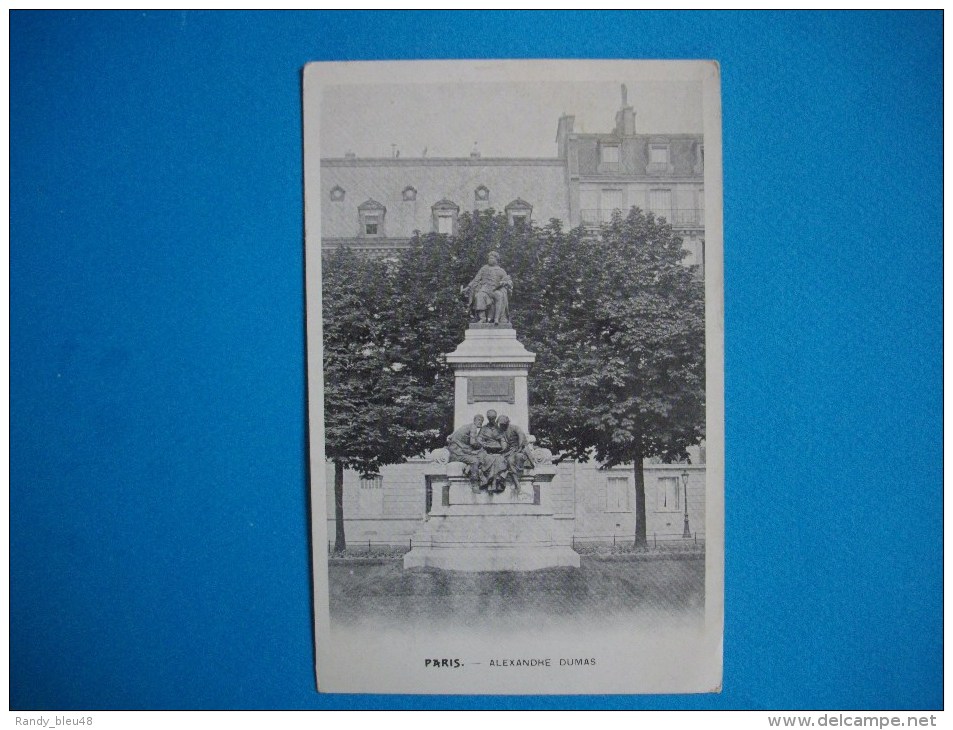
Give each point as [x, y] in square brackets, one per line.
[495, 453]
[489, 292]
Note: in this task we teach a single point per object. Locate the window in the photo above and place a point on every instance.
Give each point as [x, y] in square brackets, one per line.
[617, 494]
[519, 212]
[699, 159]
[409, 193]
[371, 496]
[611, 199]
[337, 194]
[669, 493]
[371, 214]
[445, 217]
[658, 155]
[589, 202]
[609, 156]
[660, 202]
[660, 158]
[481, 198]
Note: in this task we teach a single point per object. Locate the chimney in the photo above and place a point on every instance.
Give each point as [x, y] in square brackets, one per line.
[563, 130]
[625, 117]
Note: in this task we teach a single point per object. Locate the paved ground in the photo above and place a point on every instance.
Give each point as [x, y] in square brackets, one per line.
[386, 593]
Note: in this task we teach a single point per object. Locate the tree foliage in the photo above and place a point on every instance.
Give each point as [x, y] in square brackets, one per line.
[632, 383]
[615, 319]
[376, 412]
[616, 322]
[433, 313]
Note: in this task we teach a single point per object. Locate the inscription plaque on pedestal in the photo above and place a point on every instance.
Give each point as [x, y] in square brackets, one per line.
[482, 389]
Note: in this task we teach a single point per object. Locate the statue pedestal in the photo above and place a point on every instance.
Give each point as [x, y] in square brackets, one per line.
[490, 368]
[489, 532]
[512, 530]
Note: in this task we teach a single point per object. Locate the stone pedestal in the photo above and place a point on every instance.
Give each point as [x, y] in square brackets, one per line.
[512, 530]
[490, 368]
[477, 531]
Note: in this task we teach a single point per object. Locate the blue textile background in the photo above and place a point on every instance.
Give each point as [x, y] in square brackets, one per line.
[158, 509]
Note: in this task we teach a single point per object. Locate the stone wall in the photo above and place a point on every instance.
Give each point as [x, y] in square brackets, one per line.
[590, 504]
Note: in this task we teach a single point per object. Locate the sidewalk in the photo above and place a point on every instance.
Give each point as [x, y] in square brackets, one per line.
[384, 592]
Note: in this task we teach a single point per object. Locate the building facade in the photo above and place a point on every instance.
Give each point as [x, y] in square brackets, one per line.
[620, 169]
[374, 205]
[377, 204]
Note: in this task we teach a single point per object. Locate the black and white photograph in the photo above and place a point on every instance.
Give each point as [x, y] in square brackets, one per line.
[515, 375]
[439, 361]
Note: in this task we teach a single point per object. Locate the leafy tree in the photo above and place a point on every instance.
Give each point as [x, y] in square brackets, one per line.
[370, 398]
[616, 322]
[431, 309]
[640, 389]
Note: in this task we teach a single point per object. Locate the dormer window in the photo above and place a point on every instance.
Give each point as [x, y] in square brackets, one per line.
[481, 198]
[660, 158]
[699, 159]
[610, 156]
[337, 194]
[519, 213]
[445, 223]
[658, 154]
[409, 193]
[371, 214]
[445, 217]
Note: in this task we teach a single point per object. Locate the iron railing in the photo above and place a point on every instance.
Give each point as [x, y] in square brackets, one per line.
[681, 217]
[588, 544]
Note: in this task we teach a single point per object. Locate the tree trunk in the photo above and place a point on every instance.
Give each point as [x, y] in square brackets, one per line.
[641, 540]
[339, 542]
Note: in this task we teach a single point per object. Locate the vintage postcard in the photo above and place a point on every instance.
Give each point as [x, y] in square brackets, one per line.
[515, 376]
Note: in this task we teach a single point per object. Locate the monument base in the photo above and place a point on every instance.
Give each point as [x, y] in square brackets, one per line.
[473, 559]
[479, 531]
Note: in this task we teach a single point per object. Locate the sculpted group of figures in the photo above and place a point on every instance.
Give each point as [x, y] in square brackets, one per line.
[496, 452]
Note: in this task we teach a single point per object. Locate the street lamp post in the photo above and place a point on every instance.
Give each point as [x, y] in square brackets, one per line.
[686, 532]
